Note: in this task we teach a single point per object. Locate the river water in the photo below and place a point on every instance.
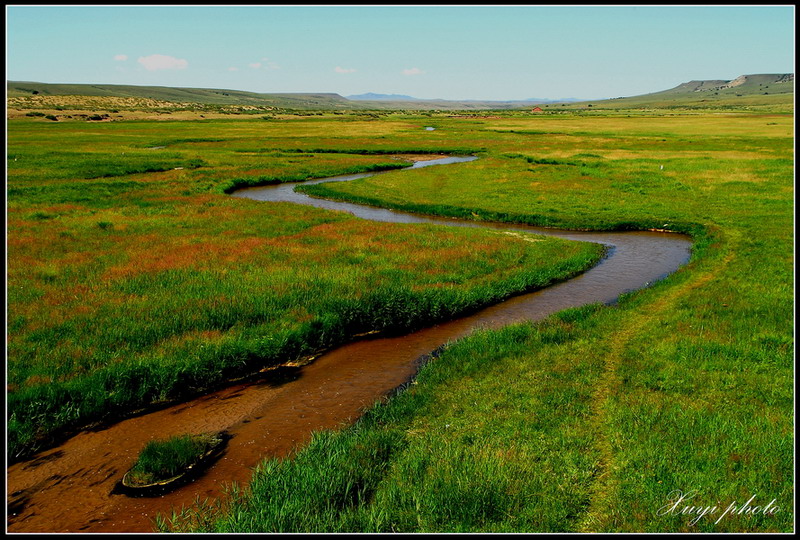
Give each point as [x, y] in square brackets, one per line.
[69, 488]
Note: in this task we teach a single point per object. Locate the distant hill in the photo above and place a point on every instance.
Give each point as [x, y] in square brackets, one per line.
[544, 100]
[760, 90]
[182, 95]
[370, 96]
[746, 90]
[214, 96]
[381, 97]
[744, 84]
[442, 104]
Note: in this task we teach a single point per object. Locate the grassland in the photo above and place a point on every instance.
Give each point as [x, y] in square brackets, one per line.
[595, 419]
[589, 421]
[134, 280]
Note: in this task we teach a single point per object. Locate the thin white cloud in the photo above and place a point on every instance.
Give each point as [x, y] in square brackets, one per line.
[232, 68]
[121, 57]
[265, 63]
[413, 71]
[338, 69]
[154, 62]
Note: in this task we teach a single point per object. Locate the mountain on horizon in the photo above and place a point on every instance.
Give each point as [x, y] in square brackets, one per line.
[742, 82]
[548, 100]
[757, 89]
[370, 96]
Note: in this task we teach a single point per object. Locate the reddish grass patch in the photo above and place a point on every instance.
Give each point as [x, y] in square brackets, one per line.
[159, 257]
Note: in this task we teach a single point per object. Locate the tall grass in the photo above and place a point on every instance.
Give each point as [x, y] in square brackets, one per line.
[593, 420]
[146, 288]
[162, 459]
[250, 181]
[441, 457]
[590, 421]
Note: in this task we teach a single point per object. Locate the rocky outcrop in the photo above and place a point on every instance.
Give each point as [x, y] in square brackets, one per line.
[716, 86]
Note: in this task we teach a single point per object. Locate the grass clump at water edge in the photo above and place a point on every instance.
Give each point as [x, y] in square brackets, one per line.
[163, 459]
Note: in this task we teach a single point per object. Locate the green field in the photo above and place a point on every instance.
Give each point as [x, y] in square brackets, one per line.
[130, 270]
[133, 279]
[687, 386]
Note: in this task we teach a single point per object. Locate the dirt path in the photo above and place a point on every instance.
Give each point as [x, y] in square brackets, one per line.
[605, 484]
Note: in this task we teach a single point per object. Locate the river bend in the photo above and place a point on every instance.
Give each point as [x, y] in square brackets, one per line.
[68, 488]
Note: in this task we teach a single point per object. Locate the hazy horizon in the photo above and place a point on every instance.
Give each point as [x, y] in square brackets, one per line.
[483, 53]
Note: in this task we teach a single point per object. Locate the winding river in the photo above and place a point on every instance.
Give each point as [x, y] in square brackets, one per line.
[69, 488]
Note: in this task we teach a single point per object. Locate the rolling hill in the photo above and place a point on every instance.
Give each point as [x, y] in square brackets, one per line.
[745, 90]
[182, 95]
[222, 97]
[370, 96]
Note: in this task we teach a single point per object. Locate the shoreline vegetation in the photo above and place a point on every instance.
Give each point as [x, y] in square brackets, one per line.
[165, 464]
[331, 311]
[589, 421]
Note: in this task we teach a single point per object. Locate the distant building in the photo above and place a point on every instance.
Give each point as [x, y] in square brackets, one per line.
[536, 109]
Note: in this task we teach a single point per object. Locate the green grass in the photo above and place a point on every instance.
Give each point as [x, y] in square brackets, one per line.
[467, 457]
[133, 287]
[163, 459]
[589, 421]
[242, 182]
[594, 419]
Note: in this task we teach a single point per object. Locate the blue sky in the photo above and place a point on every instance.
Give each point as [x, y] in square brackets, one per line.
[449, 52]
